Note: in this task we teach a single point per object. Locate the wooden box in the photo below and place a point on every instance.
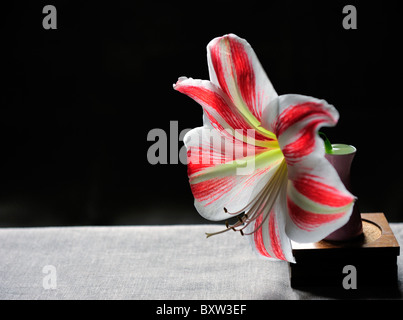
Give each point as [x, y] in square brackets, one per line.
[373, 255]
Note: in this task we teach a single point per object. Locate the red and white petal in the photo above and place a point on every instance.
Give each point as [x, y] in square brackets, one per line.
[220, 110]
[270, 239]
[234, 66]
[297, 124]
[318, 202]
[225, 173]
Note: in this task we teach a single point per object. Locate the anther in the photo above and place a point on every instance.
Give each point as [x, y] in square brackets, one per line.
[225, 210]
[226, 224]
[241, 232]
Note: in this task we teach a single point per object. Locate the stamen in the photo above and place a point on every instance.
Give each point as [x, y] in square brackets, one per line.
[253, 201]
[263, 199]
[261, 204]
[277, 188]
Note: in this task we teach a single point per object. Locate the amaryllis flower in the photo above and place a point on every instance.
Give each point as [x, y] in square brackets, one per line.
[290, 191]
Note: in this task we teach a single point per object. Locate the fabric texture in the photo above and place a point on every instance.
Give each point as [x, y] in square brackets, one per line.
[145, 262]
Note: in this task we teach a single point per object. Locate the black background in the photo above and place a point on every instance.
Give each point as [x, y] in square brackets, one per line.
[78, 102]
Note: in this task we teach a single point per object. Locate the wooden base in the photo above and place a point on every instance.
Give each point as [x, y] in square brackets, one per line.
[373, 255]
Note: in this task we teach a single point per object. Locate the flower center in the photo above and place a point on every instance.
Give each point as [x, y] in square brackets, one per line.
[260, 205]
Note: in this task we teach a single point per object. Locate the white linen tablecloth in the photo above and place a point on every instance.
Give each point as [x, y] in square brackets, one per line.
[147, 262]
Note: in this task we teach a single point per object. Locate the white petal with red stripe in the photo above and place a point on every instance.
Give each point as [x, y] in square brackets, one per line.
[318, 203]
[221, 111]
[216, 173]
[269, 238]
[234, 66]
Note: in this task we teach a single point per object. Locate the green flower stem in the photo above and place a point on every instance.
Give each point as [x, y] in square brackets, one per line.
[328, 145]
[337, 148]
